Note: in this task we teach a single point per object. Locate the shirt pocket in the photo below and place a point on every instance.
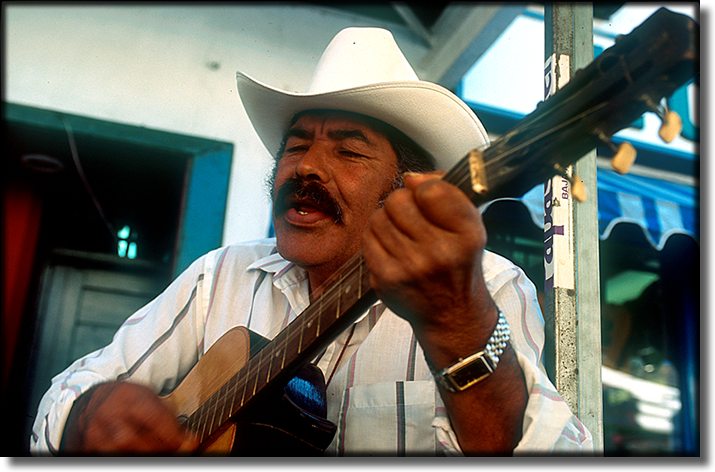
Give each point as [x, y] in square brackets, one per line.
[387, 419]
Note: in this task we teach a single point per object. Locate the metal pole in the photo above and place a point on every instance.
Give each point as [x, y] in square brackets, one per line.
[571, 261]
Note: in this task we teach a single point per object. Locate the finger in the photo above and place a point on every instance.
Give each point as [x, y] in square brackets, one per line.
[113, 437]
[378, 259]
[413, 179]
[189, 445]
[389, 237]
[158, 425]
[403, 212]
[446, 206]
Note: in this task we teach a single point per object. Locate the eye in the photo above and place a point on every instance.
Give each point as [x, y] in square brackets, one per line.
[295, 149]
[350, 153]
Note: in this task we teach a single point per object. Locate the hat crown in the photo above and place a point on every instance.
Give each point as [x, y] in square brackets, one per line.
[357, 57]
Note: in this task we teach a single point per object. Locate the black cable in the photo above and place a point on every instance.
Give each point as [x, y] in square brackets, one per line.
[83, 178]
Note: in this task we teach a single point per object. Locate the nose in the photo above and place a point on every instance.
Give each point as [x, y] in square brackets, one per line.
[313, 164]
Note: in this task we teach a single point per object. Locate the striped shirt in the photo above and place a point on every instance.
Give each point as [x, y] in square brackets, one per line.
[380, 392]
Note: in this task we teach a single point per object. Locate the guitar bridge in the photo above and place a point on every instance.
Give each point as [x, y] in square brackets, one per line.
[477, 172]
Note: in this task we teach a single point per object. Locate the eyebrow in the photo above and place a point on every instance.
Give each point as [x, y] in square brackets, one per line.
[338, 134]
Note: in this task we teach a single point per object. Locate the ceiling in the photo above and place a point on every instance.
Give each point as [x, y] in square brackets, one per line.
[456, 34]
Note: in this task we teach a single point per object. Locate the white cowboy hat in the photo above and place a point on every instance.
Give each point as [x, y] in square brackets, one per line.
[363, 70]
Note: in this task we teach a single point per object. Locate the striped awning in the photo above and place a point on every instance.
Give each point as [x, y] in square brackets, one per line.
[659, 207]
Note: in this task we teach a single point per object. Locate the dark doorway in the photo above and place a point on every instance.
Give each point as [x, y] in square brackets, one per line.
[99, 217]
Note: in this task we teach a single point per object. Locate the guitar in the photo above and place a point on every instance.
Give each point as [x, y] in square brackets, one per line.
[622, 83]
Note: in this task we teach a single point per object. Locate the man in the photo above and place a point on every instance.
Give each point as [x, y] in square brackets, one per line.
[344, 184]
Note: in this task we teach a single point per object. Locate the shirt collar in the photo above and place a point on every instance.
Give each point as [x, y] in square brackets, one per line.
[285, 274]
[272, 263]
[288, 277]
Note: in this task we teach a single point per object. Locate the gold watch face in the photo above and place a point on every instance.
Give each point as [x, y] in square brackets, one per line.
[469, 372]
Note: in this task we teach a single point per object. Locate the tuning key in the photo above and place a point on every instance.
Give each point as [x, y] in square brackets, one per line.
[671, 127]
[624, 158]
[672, 124]
[578, 189]
[624, 155]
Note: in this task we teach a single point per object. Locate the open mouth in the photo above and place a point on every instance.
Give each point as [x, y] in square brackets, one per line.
[306, 214]
[306, 203]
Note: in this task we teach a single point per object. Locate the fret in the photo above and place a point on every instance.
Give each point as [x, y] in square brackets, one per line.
[276, 352]
[302, 330]
[258, 372]
[226, 402]
[292, 349]
[245, 387]
[216, 416]
[285, 348]
[349, 293]
[320, 316]
[270, 364]
[205, 416]
[337, 308]
[212, 416]
[202, 422]
[223, 399]
[233, 395]
[311, 327]
[360, 278]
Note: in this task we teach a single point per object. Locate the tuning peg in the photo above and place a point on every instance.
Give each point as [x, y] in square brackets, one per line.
[624, 158]
[578, 189]
[671, 127]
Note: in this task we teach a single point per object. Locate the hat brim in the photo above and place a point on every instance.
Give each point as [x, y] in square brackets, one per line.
[429, 114]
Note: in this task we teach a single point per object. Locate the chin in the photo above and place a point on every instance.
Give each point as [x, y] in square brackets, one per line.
[305, 251]
[316, 256]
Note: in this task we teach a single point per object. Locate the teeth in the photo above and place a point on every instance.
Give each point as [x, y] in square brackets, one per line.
[301, 212]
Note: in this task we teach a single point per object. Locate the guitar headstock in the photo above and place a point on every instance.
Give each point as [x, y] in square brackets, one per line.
[626, 80]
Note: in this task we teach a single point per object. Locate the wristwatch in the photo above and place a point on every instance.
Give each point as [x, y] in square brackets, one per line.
[469, 370]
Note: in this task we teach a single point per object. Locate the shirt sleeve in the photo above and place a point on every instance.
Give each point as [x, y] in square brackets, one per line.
[549, 426]
[156, 347]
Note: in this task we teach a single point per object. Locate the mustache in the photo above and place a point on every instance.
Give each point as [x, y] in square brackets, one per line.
[298, 191]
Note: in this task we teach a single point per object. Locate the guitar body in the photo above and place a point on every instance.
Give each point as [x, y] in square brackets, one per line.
[283, 422]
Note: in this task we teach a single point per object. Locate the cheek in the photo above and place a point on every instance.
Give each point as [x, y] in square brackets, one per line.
[281, 172]
[373, 199]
